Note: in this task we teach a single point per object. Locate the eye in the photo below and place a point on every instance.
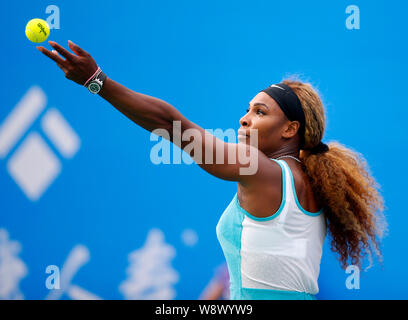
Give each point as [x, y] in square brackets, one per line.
[247, 110]
[259, 111]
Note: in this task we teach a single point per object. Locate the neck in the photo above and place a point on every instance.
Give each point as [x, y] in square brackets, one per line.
[284, 151]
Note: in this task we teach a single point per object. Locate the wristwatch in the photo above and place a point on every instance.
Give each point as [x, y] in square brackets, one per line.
[96, 83]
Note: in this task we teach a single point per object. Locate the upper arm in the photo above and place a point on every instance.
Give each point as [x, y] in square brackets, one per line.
[228, 161]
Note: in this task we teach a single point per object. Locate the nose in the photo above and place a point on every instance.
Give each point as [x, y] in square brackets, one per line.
[245, 121]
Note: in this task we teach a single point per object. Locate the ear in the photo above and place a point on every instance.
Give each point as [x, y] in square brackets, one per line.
[291, 129]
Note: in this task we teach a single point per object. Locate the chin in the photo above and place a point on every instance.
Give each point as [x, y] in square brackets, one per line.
[243, 140]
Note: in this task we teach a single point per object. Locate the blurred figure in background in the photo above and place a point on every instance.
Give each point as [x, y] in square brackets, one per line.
[218, 287]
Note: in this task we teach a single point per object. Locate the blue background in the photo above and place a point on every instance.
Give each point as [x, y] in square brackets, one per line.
[208, 59]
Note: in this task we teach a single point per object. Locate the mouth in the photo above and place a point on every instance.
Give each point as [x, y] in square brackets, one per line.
[242, 135]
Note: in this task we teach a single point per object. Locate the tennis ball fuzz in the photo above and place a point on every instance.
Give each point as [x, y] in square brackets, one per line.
[37, 30]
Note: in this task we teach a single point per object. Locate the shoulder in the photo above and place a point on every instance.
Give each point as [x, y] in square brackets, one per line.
[263, 195]
[264, 169]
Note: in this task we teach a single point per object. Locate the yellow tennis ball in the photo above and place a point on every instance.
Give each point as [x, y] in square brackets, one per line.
[37, 30]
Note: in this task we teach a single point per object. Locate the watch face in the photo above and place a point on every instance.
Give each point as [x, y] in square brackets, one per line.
[94, 87]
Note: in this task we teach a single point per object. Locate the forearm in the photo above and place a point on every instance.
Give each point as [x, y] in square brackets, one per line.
[148, 112]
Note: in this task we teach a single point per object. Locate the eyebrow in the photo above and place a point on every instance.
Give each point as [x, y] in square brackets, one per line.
[259, 104]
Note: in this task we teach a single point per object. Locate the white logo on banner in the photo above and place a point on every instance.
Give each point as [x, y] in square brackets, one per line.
[12, 268]
[33, 165]
[150, 275]
[78, 256]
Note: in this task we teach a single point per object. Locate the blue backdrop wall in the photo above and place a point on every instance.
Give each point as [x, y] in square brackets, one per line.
[87, 200]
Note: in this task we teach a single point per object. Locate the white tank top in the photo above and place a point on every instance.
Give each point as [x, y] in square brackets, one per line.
[283, 252]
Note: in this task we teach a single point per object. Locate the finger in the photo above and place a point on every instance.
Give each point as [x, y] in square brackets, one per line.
[52, 56]
[79, 51]
[55, 52]
[59, 65]
[62, 51]
[62, 67]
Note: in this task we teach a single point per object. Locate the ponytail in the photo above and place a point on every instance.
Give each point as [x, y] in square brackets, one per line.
[348, 194]
[343, 186]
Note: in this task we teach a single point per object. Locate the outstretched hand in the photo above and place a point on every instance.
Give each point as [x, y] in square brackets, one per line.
[77, 67]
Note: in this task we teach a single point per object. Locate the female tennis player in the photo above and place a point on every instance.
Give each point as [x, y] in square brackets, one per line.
[273, 230]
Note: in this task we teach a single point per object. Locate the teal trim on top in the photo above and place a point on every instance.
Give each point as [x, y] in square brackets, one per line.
[269, 294]
[283, 201]
[312, 214]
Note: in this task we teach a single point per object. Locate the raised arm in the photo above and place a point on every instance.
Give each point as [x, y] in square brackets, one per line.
[228, 161]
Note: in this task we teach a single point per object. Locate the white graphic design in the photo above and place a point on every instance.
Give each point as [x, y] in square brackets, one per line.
[78, 256]
[20, 119]
[78, 293]
[34, 166]
[60, 133]
[189, 237]
[12, 268]
[150, 275]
